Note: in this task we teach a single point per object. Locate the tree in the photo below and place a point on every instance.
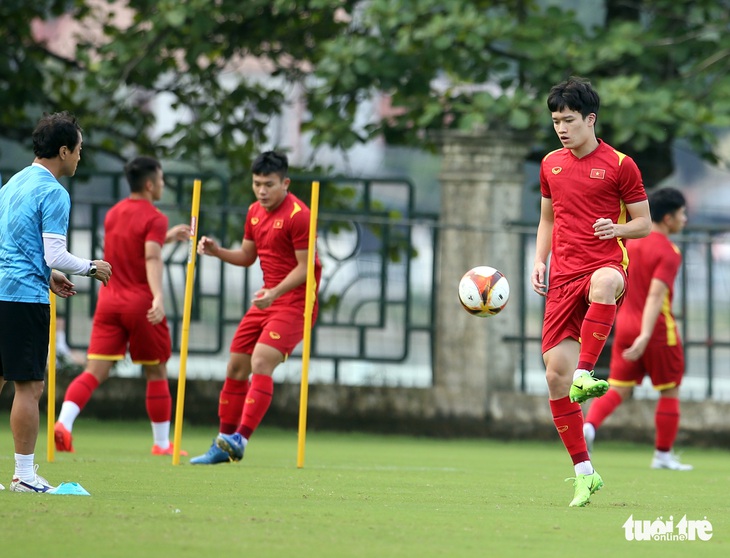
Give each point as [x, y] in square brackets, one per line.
[660, 66]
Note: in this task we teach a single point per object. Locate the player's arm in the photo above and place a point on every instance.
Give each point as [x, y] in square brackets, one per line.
[244, 256]
[58, 257]
[638, 227]
[178, 233]
[652, 307]
[154, 267]
[543, 245]
[297, 276]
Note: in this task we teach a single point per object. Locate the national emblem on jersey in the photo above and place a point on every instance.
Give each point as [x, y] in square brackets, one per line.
[598, 173]
[279, 224]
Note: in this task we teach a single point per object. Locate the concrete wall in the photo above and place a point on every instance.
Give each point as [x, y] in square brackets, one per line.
[413, 411]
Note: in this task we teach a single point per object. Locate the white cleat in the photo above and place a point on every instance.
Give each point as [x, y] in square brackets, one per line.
[39, 484]
[668, 460]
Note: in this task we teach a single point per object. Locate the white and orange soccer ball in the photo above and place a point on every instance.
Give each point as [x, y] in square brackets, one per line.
[483, 291]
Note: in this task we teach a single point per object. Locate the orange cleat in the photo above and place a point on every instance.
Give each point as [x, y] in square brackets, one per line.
[63, 438]
[157, 450]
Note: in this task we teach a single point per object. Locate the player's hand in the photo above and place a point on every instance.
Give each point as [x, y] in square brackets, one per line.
[538, 279]
[178, 233]
[605, 229]
[156, 313]
[636, 350]
[61, 285]
[207, 246]
[103, 271]
[263, 298]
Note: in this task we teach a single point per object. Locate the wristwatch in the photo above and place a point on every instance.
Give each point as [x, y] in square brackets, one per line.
[92, 270]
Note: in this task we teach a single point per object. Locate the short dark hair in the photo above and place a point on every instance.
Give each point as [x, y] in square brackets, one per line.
[665, 201]
[139, 170]
[576, 94]
[270, 162]
[54, 131]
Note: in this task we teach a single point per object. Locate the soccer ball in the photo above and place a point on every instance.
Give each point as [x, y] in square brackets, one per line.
[483, 291]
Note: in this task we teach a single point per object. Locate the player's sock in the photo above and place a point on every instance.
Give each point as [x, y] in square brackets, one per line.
[230, 404]
[77, 396]
[583, 468]
[158, 401]
[602, 407]
[24, 469]
[568, 420]
[593, 333]
[666, 420]
[258, 400]
[161, 434]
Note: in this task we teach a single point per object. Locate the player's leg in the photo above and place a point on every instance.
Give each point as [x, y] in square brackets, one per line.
[24, 329]
[236, 385]
[282, 331]
[667, 372]
[77, 395]
[601, 408]
[606, 286]
[107, 345]
[158, 403]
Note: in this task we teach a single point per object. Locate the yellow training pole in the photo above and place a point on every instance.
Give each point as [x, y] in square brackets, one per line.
[186, 322]
[308, 310]
[50, 446]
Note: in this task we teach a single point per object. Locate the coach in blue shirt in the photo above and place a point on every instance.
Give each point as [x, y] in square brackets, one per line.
[34, 216]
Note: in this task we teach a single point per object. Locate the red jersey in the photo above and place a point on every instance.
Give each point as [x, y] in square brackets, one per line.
[277, 235]
[583, 190]
[653, 257]
[128, 225]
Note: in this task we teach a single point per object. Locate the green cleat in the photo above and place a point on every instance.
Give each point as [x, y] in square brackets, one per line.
[586, 386]
[585, 486]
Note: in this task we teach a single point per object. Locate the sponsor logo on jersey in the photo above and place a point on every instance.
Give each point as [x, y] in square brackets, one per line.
[254, 220]
[274, 335]
[556, 170]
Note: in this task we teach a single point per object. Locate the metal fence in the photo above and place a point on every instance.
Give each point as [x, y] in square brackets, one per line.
[376, 322]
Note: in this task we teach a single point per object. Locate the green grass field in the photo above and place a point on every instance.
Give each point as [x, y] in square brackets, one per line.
[357, 496]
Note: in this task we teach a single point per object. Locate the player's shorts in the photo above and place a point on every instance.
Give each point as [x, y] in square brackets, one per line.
[279, 327]
[566, 307]
[663, 364]
[24, 340]
[113, 333]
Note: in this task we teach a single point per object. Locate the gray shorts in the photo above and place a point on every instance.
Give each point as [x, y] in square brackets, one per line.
[24, 340]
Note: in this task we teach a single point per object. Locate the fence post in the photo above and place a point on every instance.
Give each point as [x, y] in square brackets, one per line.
[482, 180]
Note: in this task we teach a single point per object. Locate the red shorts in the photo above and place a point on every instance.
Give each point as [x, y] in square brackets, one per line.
[663, 364]
[566, 307]
[280, 327]
[112, 333]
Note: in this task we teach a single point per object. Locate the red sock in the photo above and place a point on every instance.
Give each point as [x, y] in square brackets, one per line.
[602, 407]
[158, 401]
[593, 333]
[666, 420]
[568, 419]
[257, 403]
[230, 404]
[79, 391]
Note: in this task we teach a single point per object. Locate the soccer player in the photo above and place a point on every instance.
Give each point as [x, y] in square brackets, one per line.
[646, 340]
[34, 216]
[130, 312]
[588, 188]
[277, 232]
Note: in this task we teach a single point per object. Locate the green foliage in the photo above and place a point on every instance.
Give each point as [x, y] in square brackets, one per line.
[662, 69]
